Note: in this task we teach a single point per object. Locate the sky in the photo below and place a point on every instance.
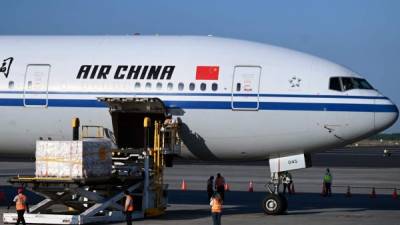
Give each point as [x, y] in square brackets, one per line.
[363, 35]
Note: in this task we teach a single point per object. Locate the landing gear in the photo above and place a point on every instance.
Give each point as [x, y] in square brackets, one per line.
[274, 203]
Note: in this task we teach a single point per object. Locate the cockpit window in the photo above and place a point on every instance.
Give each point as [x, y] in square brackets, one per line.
[334, 84]
[362, 83]
[348, 83]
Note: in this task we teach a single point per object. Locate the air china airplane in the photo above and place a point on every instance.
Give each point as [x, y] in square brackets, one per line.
[235, 100]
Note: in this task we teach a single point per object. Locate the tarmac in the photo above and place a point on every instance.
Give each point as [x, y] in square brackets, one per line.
[361, 169]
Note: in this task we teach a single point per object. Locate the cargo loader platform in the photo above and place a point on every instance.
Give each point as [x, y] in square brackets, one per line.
[89, 187]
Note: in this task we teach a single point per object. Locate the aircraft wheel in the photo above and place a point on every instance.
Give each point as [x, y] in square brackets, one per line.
[274, 204]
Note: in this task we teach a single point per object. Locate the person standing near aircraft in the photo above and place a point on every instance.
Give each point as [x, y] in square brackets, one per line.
[327, 183]
[287, 182]
[128, 209]
[216, 208]
[220, 185]
[21, 205]
[210, 187]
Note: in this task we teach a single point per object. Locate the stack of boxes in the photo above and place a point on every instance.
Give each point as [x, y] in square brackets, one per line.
[73, 159]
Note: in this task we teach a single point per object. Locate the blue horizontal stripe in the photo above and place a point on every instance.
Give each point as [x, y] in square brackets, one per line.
[223, 105]
[198, 94]
[37, 102]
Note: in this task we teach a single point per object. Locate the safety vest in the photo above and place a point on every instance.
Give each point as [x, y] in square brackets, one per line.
[327, 178]
[20, 204]
[131, 208]
[216, 206]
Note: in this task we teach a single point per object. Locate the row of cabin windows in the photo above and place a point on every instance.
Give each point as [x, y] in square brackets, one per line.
[159, 86]
[348, 83]
[181, 86]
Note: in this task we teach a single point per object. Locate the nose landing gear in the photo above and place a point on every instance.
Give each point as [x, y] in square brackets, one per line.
[274, 203]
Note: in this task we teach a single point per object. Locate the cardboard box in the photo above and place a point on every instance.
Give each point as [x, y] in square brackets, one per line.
[73, 159]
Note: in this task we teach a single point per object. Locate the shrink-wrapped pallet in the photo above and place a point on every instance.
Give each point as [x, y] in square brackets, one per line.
[73, 159]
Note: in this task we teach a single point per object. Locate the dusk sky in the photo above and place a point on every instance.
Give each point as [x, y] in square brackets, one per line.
[363, 35]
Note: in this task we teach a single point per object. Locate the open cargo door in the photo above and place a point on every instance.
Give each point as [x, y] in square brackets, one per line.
[127, 117]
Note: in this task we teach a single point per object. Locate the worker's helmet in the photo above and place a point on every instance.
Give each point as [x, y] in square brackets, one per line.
[20, 190]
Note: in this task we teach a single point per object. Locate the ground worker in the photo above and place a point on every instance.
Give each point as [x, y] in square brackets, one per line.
[287, 182]
[21, 205]
[327, 183]
[220, 185]
[210, 187]
[216, 208]
[129, 207]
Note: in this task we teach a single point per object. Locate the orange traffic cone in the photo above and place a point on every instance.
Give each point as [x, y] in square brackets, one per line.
[251, 186]
[323, 192]
[226, 187]
[394, 195]
[183, 185]
[348, 193]
[292, 191]
[373, 193]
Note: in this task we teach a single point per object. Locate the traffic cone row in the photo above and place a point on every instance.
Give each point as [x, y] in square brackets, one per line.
[251, 189]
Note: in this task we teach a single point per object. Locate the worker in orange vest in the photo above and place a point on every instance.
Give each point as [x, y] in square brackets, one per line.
[129, 207]
[216, 208]
[21, 205]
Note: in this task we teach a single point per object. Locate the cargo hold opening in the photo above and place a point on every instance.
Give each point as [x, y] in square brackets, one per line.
[127, 118]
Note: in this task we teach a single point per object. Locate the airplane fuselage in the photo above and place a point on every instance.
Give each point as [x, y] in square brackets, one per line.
[235, 99]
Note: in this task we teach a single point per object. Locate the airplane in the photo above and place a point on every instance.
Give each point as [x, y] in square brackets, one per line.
[234, 99]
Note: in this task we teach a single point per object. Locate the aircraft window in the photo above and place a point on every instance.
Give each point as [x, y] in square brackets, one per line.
[347, 83]
[148, 86]
[362, 84]
[238, 87]
[170, 86]
[29, 84]
[192, 86]
[214, 86]
[334, 84]
[203, 86]
[137, 85]
[181, 86]
[159, 86]
[355, 83]
[11, 84]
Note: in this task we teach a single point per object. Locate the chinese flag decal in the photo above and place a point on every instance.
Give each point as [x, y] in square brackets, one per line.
[207, 72]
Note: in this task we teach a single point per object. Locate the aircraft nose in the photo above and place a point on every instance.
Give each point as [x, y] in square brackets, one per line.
[386, 116]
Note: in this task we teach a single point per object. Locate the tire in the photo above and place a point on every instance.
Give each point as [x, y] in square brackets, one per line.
[274, 204]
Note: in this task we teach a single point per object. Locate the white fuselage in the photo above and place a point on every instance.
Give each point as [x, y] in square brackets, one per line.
[268, 101]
